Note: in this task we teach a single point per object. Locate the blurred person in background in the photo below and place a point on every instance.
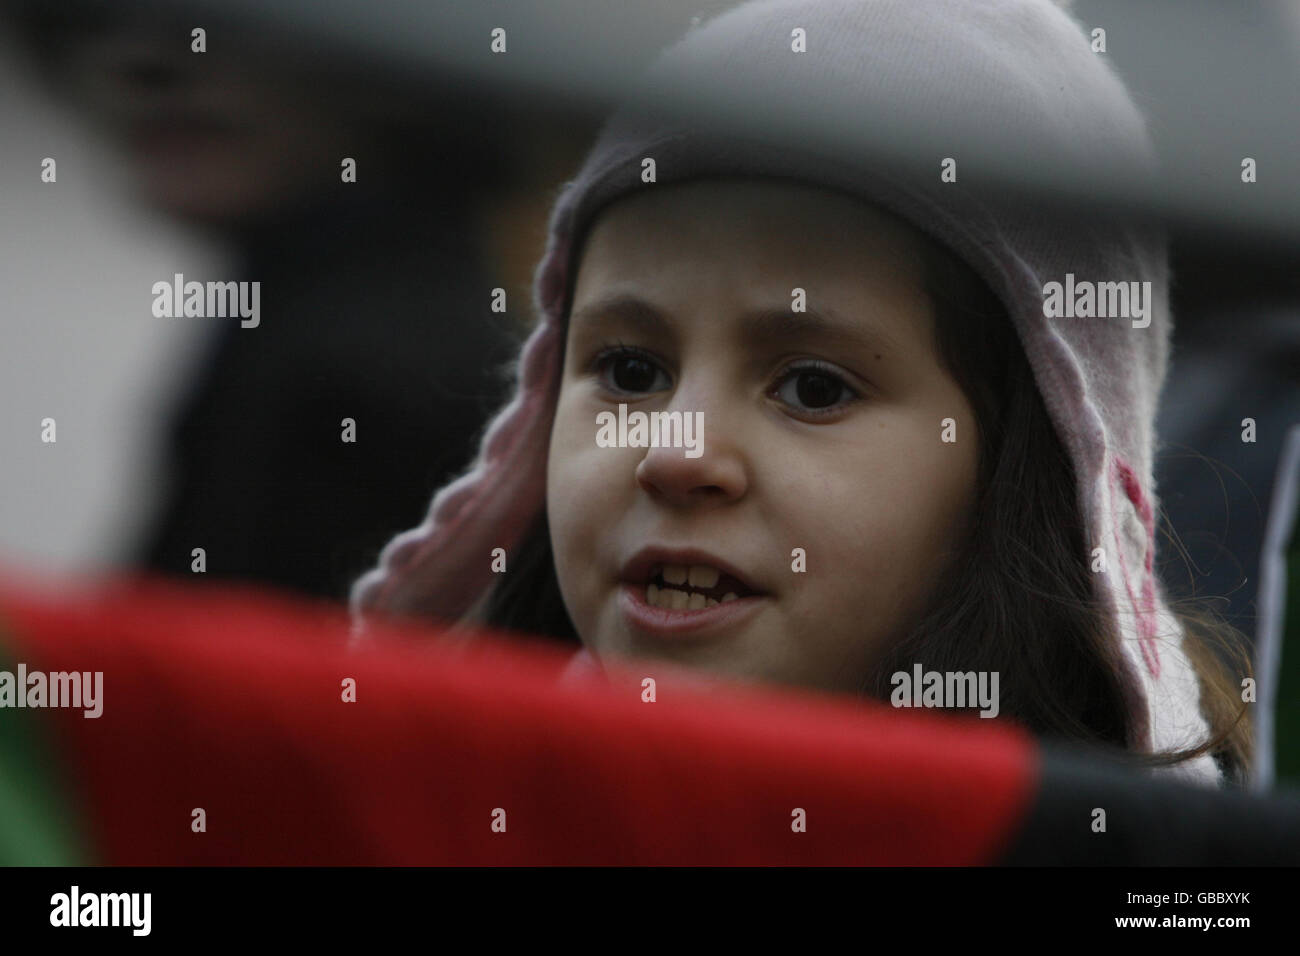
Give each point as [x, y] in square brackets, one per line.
[375, 294]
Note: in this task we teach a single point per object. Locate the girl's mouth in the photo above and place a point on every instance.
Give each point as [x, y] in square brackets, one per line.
[691, 587]
[687, 600]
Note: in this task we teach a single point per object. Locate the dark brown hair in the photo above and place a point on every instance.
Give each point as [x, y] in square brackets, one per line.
[1019, 598]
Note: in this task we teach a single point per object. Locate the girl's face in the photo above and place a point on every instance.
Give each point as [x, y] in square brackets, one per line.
[821, 494]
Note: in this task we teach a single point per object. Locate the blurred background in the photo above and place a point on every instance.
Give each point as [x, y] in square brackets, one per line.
[175, 433]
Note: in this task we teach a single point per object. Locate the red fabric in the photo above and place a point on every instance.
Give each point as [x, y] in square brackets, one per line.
[231, 701]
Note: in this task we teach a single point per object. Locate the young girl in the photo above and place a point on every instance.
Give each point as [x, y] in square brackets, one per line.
[907, 458]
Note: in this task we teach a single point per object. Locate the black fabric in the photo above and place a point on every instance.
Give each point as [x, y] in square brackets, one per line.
[1149, 821]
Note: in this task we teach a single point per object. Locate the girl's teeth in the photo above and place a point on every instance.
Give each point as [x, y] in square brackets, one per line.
[679, 600]
[675, 573]
[704, 577]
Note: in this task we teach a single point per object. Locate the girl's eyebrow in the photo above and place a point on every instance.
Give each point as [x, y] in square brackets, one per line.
[765, 325]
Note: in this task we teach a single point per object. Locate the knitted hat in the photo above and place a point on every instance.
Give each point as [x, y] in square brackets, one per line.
[1016, 72]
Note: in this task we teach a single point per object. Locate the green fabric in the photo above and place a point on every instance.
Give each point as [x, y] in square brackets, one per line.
[37, 824]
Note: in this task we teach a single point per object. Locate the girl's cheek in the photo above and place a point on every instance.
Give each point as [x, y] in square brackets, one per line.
[879, 506]
[573, 445]
[563, 500]
[563, 466]
[581, 476]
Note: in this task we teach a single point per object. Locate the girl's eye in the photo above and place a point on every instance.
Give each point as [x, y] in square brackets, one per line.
[814, 389]
[629, 370]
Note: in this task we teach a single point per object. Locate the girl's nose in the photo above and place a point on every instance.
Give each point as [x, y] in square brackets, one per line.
[717, 476]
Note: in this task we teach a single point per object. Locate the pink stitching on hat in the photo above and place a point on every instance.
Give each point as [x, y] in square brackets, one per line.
[1146, 604]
